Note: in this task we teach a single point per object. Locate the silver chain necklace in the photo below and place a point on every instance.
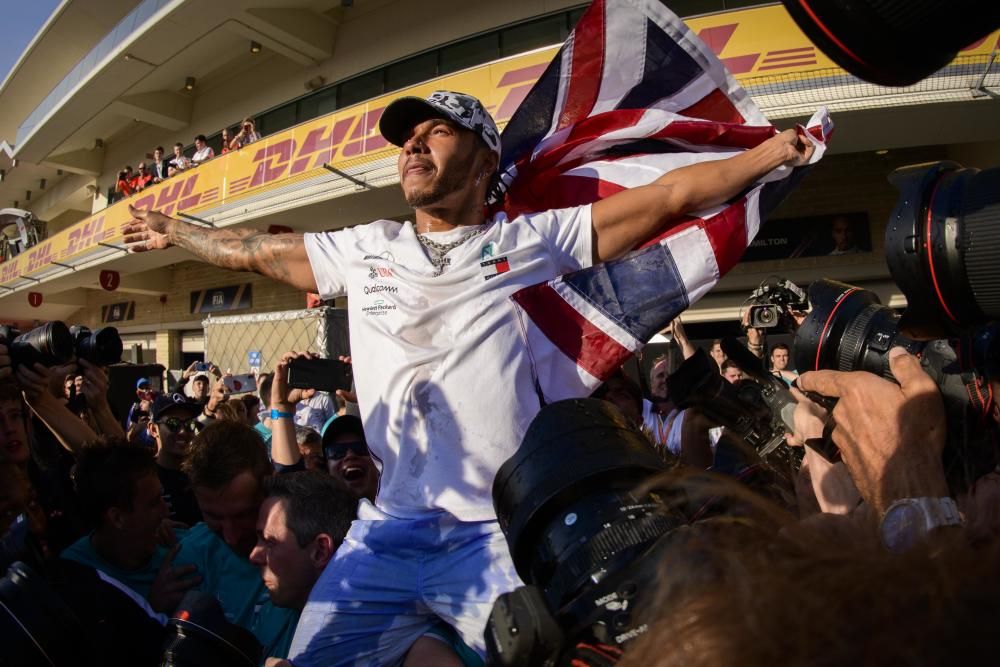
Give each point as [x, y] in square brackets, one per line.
[436, 251]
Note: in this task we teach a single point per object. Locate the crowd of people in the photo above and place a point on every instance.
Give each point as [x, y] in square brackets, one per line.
[360, 527]
[162, 167]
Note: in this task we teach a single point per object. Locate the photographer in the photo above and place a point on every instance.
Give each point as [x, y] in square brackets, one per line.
[247, 134]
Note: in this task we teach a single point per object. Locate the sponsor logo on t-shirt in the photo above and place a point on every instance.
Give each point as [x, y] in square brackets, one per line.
[488, 251]
[375, 289]
[385, 254]
[379, 307]
[494, 267]
[376, 272]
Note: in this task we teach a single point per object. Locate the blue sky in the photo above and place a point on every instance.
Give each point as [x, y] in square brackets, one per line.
[21, 20]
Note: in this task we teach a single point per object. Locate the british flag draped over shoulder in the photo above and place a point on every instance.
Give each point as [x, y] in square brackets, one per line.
[632, 94]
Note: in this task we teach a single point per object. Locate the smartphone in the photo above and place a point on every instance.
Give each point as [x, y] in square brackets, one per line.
[201, 366]
[240, 384]
[319, 374]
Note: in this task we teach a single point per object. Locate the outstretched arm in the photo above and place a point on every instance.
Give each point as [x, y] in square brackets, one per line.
[279, 256]
[626, 219]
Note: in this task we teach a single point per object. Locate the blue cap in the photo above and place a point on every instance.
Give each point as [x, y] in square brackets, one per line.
[141, 381]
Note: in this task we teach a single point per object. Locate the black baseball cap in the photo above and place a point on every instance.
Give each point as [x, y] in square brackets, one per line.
[464, 110]
[173, 403]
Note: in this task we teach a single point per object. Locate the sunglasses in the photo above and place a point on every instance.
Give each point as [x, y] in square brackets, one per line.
[339, 450]
[176, 425]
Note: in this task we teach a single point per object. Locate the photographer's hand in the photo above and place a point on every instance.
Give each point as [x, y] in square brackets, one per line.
[71, 431]
[890, 436]
[95, 390]
[680, 335]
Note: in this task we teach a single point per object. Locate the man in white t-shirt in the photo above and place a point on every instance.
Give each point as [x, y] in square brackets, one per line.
[443, 378]
[202, 151]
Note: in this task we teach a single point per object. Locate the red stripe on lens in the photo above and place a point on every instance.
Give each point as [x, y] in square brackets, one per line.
[819, 344]
[830, 35]
[930, 256]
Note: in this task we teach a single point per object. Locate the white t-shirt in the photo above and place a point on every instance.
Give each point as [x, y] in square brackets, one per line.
[315, 411]
[205, 153]
[441, 370]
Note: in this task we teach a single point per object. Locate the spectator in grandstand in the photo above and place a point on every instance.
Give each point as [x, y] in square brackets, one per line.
[202, 151]
[247, 134]
[179, 162]
[172, 425]
[160, 167]
[442, 332]
[142, 178]
[731, 371]
[228, 467]
[119, 492]
[124, 186]
[226, 138]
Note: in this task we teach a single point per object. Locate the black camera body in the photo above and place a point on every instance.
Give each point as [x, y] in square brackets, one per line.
[758, 411]
[772, 301]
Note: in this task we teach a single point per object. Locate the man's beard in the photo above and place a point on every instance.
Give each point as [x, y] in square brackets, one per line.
[452, 180]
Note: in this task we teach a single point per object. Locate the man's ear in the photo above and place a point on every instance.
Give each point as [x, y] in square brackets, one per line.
[153, 429]
[113, 516]
[322, 551]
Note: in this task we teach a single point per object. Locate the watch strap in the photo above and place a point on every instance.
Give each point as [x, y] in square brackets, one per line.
[909, 520]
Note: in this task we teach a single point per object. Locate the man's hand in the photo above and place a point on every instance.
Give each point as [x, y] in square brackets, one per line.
[681, 337]
[219, 395]
[348, 395]
[171, 583]
[34, 380]
[95, 383]
[810, 419]
[147, 231]
[890, 436]
[280, 393]
[797, 151]
[190, 370]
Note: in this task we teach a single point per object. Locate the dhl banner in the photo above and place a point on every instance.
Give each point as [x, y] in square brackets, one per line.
[752, 43]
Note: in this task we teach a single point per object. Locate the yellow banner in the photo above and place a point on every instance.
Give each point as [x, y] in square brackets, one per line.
[752, 43]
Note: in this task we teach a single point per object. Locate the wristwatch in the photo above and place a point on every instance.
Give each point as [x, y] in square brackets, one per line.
[909, 520]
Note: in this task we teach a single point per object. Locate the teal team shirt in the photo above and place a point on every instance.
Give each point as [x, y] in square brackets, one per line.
[139, 580]
[237, 584]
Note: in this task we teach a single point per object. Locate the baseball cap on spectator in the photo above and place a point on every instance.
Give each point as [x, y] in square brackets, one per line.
[464, 110]
[173, 403]
[142, 382]
[202, 374]
[337, 426]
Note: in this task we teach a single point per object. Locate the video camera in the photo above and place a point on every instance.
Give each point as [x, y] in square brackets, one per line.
[55, 344]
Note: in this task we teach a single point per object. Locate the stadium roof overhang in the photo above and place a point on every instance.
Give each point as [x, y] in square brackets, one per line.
[138, 73]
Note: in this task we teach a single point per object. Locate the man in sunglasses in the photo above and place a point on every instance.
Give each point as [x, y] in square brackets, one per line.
[347, 457]
[172, 426]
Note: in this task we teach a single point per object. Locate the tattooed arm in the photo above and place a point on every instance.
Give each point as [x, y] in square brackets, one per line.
[278, 256]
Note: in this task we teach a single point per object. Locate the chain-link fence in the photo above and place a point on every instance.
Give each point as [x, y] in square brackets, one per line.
[231, 342]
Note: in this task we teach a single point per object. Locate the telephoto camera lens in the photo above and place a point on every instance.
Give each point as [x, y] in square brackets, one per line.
[865, 37]
[102, 347]
[848, 329]
[49, 345]
[942, 243]
[577, 531]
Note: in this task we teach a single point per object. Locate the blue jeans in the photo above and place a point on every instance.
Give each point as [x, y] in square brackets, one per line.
[393, 579]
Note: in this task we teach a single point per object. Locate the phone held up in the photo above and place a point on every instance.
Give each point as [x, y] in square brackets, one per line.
[319, 374]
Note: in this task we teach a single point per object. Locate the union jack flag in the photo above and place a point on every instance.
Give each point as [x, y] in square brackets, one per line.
[632, 94]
